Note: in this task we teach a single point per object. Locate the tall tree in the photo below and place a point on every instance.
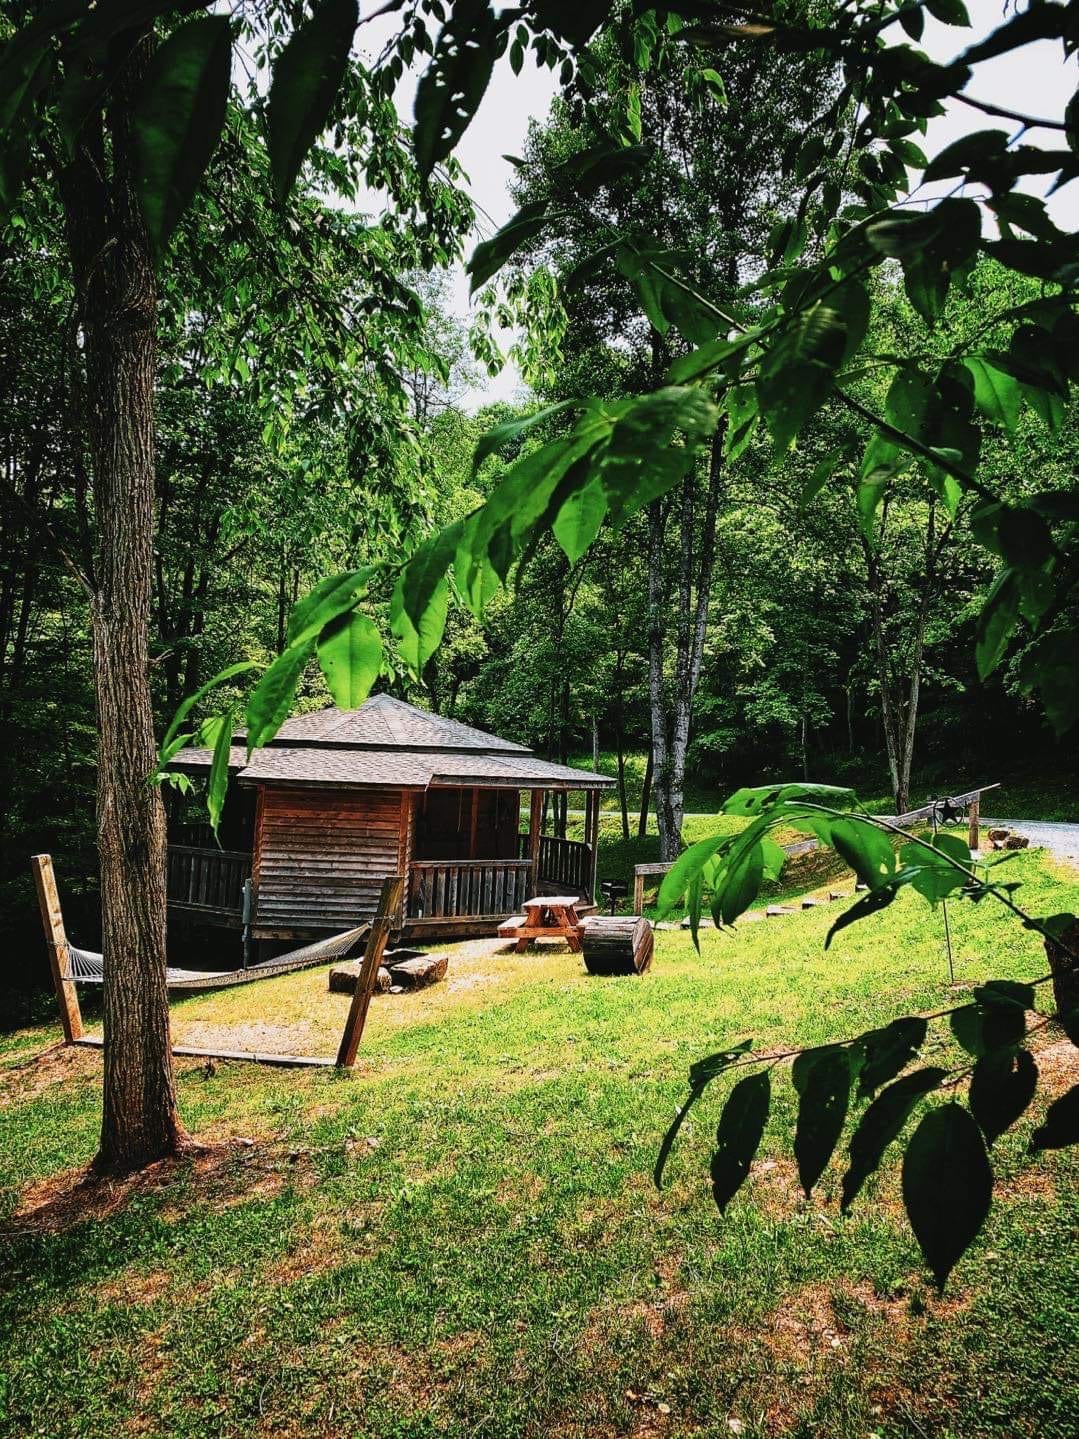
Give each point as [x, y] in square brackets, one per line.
[708, 223]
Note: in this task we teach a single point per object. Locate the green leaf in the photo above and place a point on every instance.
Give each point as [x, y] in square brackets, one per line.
[350, 656]
[738, 1136]
[701, 1074]
[822, 1080]
[886, 1051]
[418, 639]
[947, 1186]
[738, 884]
[797, 372]
[218, 784]
[579, 520]
[186, 706]
[996, 622]
[490, 255]
[452, 86]
[494, 439]
[177, 120]
[949, 12]
[328, 599]
[822, 472]
[271, 700]
[997, 394]
[762, 798]
[306, 78]
[865, 848]
[601, 164]
[870, 903]
[1001, 1088]
[881, 1124]
[1061, 1126]
[686, 868]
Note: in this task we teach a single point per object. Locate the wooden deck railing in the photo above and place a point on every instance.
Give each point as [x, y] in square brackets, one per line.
[209, 881]
[566, 863]
[466, 888]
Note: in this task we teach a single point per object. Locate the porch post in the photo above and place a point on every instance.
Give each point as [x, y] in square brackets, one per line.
[535, 816]
[592, 836]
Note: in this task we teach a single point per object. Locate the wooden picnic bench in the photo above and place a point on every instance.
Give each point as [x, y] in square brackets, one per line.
[547, 916]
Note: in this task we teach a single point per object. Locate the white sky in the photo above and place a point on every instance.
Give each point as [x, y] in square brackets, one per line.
[1033, 80]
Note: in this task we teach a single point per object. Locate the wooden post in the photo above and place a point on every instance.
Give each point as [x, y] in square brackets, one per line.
[388, 903]
[973, 837]
[56, 943]
[592, 818]
[638, 890]
[535, 820]
[473, 824]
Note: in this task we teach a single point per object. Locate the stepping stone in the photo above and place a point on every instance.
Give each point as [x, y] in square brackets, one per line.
[774, 909]
[838, 894]
[808, 903]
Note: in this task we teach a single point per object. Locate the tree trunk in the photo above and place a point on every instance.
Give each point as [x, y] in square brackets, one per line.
[646, 796]
[1063, 956]
[672, 704]
[117, 299]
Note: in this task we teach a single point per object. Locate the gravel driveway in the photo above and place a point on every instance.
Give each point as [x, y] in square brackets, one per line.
[1061, 840]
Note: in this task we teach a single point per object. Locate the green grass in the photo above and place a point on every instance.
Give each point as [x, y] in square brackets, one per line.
[461, 1238]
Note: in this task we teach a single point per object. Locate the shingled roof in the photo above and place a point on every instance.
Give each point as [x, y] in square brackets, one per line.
[387, 743]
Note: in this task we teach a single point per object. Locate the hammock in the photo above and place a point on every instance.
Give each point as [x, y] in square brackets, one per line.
[85, 966]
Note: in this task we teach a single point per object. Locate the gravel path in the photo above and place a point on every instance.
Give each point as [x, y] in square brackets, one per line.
[1061, 840]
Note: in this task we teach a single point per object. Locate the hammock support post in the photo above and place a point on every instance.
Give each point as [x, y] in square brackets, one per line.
[56, 942]
[389, 902]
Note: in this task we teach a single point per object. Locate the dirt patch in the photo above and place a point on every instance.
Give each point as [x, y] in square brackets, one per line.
[62, 1064]
[229, 1172]
[252, 1038]
[1058, 1065]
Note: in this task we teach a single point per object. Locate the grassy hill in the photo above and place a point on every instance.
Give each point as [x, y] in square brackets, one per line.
[461, 1237]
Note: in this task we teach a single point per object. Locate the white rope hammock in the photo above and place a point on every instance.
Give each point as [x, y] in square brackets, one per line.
[87, 967]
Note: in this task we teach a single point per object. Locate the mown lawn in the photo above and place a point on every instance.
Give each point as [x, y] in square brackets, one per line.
[461, 1238]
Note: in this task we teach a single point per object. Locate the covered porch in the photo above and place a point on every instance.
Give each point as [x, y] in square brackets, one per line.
[471, 855]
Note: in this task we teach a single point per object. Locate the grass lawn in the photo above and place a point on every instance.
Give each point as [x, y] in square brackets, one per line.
[461, 1238]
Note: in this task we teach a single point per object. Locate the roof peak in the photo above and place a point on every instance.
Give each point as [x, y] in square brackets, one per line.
[385, 722]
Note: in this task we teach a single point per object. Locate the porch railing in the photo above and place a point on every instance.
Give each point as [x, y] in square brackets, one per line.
[454, 889]
[566, 863]
[208, 880]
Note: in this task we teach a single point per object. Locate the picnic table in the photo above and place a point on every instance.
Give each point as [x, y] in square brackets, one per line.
[547, 916]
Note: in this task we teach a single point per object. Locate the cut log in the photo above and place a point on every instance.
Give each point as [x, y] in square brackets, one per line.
[343, 978]
[810, 903]
[776, 909]
[998, 834]
[616, 944]
[419, 972]
[1016, 841]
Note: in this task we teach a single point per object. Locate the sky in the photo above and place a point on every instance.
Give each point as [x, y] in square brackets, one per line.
[1033, 80]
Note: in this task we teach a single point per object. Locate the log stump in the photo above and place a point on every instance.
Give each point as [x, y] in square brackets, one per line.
[400, 969]
[418, 972]
[616, 944]
[343, 978]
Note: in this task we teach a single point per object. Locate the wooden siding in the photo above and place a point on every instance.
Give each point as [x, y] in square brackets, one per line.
[321, 856]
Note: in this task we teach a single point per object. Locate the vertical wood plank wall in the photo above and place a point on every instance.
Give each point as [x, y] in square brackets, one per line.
[322, 855]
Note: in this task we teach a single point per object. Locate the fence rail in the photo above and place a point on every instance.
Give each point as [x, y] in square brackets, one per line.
[210, 881]
[467, 888]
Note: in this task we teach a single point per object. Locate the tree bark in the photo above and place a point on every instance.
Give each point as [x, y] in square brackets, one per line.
[117, 299]
[672, 705]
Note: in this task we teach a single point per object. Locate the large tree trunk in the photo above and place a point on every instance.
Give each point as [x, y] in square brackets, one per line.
[118, 309]
[672, 704]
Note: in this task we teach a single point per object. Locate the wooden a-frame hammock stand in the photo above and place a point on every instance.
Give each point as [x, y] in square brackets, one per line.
[71, 966]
